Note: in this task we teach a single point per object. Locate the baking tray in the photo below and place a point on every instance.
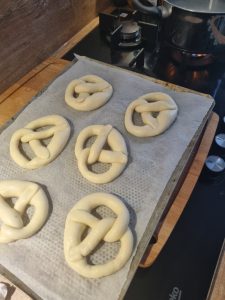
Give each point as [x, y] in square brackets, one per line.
[194, 110]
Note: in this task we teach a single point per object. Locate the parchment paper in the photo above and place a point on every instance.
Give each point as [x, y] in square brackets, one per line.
[39, 261]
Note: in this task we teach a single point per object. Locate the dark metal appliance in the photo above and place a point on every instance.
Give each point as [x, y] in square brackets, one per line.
[193, 26]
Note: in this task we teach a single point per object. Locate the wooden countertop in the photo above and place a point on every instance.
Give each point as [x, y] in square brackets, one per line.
[217, 288]
[17, 96]
[20, 94]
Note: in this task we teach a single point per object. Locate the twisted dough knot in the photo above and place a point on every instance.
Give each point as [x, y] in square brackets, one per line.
[90, 155]
[158, 112]
[27, 193]
[59, 132]
[88, 93]
[107, 229]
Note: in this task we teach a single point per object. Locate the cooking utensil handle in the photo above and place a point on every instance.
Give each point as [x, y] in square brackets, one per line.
[163, 11]
[154, 10]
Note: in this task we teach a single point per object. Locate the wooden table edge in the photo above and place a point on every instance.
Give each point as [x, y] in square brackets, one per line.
[166, 226]
[217, 287]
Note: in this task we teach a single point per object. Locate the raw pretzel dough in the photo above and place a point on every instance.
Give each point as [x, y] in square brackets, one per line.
[148, 105]
[88, 93]
[107, 229]
[90, 155]
[59, 132]
[27, 193]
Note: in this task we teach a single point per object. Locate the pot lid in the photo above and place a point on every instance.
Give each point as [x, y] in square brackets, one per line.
[200, 6]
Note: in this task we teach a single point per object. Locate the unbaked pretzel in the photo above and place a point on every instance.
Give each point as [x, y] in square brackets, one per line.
[158, 112]
[59, 132]
[108, 229]
[27, 194]
[117, 157]
[88, 93]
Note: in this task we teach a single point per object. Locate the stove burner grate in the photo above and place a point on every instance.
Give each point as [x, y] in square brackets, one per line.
[121, 29]
[191, 59]
[130, 30]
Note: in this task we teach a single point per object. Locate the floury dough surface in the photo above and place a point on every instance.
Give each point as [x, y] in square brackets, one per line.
[39, 261]
[108, 229]
[58, 133]
[91, 93]
[12, 218]
[146, 106]
[116, 156]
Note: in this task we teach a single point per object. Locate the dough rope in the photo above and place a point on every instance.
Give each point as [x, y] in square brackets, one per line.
[108, 229]
[88, 93]
[59, 132]
[117, 157]
[27, 193]
[148, 105]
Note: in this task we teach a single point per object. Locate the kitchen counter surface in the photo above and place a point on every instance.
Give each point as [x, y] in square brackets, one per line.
[20, 94]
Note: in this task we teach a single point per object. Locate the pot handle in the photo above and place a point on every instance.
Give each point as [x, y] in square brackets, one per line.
[160, 11]
[218, 36]
[154, 10]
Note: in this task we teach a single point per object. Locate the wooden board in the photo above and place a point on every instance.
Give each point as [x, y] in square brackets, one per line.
[32, 30]
[21, 93]
[217, 287]
[168, 223]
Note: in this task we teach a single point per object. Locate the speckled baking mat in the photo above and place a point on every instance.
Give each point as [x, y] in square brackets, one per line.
[39, 261]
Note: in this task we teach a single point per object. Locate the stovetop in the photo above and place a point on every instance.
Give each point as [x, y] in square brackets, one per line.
[209, 79]
[185, 267]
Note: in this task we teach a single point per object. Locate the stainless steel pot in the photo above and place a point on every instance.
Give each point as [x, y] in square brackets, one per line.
[196, 26]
